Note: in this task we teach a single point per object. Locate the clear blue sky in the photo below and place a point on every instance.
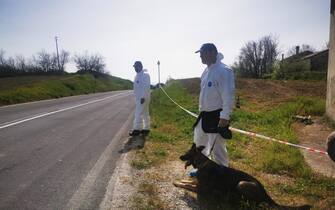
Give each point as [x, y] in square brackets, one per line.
[149, 30]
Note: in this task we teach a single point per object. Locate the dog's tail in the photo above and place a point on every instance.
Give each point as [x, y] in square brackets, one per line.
[303, 207]
[270, 201]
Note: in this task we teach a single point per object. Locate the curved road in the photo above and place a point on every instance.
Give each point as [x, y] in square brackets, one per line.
[60, 154]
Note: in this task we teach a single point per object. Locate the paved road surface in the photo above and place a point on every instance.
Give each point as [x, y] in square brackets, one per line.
[60, 154]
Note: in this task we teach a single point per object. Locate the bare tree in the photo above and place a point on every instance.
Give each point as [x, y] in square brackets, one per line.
[2, 57]
[93, 63]
[41, 62]
[64, 58]
[20, 63]
[10, 62]
[45, 61]
[257, 57]
[325, 45]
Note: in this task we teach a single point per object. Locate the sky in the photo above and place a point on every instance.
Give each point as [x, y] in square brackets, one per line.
[170, 31]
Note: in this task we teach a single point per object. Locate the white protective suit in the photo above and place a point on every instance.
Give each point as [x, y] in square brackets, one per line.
[217, 92]
[142, 90]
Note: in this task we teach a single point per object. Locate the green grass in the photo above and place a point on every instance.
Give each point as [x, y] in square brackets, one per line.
[166, 112]
[25, 89]
[278, 158]
[275, 158]
[172, 135]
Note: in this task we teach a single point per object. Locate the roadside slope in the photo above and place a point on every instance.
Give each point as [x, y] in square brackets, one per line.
[32, 88]
[267, 107]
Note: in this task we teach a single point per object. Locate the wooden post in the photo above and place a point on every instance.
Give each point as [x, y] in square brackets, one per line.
[330, 103]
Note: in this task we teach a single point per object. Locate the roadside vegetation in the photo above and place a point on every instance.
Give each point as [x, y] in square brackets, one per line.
[280, 168]
[261, 59]
[44, 76]
[38, 87]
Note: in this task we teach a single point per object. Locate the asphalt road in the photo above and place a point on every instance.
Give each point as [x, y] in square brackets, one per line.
[60, 154]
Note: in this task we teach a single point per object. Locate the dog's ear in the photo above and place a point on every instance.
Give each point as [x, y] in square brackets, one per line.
[200, 148]
[187, 154]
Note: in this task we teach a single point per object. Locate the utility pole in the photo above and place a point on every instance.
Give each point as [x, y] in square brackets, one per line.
[159, 74]
[159, 82]
[56, 38]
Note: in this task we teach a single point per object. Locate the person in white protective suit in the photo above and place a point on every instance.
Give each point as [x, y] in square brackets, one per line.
[216, 102]
[141, 123]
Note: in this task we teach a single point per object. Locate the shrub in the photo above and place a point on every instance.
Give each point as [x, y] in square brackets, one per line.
[290, 70]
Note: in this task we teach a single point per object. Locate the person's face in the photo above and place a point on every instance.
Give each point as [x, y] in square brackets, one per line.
[138, 67]
[207, 57]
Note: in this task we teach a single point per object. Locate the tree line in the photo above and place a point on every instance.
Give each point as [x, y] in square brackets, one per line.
[259, 59]
[44, 62]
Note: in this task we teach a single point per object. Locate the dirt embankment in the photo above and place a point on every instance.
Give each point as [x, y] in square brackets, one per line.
[276, 90]
[266, 93]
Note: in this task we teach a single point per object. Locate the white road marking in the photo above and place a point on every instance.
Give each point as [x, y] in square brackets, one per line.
[45, 100]
[15, 122]
[79, 197]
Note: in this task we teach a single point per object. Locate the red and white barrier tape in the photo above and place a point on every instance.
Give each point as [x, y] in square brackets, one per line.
[248, 133]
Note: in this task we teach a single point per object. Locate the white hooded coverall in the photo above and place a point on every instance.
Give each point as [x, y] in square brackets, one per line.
[142, 90]
[217, 92]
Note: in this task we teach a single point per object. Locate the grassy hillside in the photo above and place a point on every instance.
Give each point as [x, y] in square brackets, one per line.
[266, 107]
[31, 88]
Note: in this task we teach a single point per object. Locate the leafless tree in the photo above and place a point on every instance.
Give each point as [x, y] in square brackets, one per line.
[20, 63]
[93, 63]
[10, 62]
[64, 58]
[40, 62]
[2, 57]
[306, 47]
[45, 61]
[257, 57]
[325, 46]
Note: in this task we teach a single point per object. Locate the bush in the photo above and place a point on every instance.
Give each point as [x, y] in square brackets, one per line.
[288, 70]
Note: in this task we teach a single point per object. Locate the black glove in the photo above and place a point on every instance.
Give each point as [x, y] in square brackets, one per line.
[225, 132]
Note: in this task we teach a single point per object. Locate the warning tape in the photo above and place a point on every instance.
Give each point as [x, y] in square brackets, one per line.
[189, 112]
[248, 133]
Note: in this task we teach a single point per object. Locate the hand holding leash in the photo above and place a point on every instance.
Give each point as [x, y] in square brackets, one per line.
[223, 122]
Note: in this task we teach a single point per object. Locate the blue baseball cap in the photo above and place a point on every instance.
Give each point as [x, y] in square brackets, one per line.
[209, 47]
[137, 63]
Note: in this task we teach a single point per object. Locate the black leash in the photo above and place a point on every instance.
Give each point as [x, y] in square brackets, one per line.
[210, 152]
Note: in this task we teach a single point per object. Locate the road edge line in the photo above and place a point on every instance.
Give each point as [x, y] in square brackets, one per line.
[88, 182]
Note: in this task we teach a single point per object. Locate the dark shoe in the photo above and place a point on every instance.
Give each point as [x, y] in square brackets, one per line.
[193, 172]
[145, 132]
[135, 133]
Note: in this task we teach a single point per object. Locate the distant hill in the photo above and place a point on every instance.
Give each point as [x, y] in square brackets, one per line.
[32, 88]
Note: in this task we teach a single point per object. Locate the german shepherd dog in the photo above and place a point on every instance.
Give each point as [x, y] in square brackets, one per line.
[214, 178]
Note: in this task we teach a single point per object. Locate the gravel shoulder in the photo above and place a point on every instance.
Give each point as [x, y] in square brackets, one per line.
[124, 186]
[120, 187]
[315, 136]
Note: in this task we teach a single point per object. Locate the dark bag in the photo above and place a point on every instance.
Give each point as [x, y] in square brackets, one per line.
[210, 121]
